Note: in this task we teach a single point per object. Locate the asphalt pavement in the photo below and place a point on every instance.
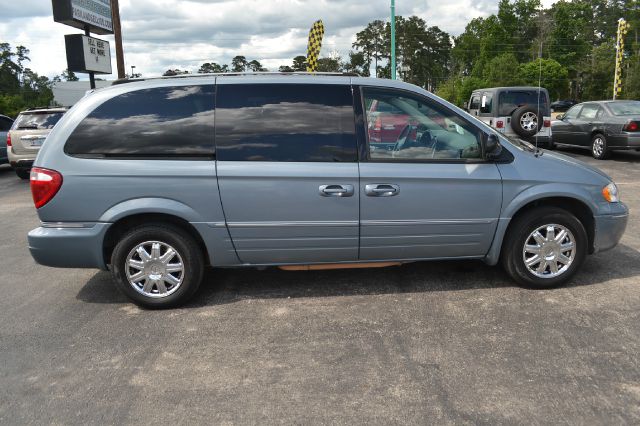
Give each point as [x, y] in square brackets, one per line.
[424, 343]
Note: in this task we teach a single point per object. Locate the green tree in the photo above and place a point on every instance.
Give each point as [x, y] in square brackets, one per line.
[256, 66]
[549, 74]
[212, 67]
[502, 70]
[357, 64]
[329, 65]
[595, 80]
[239, 64]
[285, 68]
[300, 63]
[372, 42]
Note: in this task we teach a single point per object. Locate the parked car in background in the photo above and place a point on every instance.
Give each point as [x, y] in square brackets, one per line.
[601, 126]
[27, 135]
[139, 179]
[5, 125]
[563, 105]
[521, 112]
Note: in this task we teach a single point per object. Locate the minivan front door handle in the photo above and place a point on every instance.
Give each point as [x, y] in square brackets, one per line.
[336, 190]
[381, 190]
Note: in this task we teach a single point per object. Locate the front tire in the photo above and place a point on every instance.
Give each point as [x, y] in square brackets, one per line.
[157, 266]
[544, 248]
[599, 148]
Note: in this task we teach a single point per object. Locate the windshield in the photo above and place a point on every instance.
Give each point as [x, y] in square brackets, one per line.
[625, 108]
[37, 120]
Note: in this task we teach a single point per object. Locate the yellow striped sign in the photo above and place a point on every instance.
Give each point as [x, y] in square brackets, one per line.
[315, 43]
[623, 28]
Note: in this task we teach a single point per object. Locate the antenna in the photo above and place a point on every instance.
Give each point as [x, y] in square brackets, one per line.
[539, 93]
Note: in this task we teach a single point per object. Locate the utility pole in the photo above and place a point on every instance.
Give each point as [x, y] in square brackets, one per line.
[117, 32]
[393, 39]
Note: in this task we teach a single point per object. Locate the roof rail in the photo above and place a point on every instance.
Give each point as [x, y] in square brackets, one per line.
[228, 74]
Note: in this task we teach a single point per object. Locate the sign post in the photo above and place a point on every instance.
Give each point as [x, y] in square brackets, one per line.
[86, 54]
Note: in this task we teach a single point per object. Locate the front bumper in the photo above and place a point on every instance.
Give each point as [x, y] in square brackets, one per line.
[69, 245]
[610, 228]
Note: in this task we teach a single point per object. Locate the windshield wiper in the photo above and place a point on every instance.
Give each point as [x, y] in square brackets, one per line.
[28, 127]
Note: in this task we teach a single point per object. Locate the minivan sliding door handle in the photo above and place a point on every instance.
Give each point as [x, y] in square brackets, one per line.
[336, 190]
[381, 190]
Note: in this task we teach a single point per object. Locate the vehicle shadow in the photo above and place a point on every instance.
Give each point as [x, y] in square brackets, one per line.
[223, 286]
[624, 156]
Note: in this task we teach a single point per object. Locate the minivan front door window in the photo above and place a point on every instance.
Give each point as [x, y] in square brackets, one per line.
[416, 129]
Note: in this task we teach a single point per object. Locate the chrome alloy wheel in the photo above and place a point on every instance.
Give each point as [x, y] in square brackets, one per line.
[154, 269]
[529, 121]
[549, 251]
[598, 146]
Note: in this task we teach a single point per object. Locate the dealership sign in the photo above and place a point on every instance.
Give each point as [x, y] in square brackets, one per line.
[87, 54]
[95, 14]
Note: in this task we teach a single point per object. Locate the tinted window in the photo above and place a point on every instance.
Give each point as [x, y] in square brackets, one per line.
[589, 111]
[285, 122]
[573, 112]
[164, 121]
[625, 108]
[475, 102]
[424, 131]
[486, 103]
[5, 124]
[37, 120]
[511, 100]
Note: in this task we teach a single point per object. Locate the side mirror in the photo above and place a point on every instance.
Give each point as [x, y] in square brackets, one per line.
[492, 147]
[560, 117]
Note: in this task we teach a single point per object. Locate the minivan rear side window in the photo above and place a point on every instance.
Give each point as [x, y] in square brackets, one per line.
[161, 122]
[285, 122]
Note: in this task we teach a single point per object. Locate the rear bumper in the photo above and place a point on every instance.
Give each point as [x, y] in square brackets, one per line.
[540, 140]
[21, 161]
[624, 141]
[69, 247]
[610, 228]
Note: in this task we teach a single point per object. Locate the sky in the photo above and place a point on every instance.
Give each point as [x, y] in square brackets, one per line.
[168, 34]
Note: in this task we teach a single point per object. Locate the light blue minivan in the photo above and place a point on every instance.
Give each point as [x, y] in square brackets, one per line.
[157, 179]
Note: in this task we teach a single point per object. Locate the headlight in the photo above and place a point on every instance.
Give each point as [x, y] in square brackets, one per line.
[610, 193]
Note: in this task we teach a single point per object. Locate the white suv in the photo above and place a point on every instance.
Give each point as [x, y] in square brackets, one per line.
[521, 112]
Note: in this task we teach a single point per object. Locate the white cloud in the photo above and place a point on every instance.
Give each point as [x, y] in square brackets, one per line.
[162, 34]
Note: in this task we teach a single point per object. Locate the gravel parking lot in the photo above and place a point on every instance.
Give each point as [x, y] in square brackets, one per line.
[441, 342]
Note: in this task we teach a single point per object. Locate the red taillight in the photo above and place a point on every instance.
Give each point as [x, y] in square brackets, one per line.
[378, 124]
[45, 184]
[8, 140]
[499, 124]
[632, 126]
[546, 123]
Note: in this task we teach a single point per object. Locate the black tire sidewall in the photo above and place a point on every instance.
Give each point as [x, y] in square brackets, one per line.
[515, 121]
[185, 246]
[605, 151]
[23, 174]
[520, 231]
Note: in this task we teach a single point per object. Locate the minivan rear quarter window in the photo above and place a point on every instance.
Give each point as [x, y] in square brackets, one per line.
[285, 122]
[163, 122]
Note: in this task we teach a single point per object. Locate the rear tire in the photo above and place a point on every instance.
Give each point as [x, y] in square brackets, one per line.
[23, 174]
[599, 148]
[148, 273]
[565, 247]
